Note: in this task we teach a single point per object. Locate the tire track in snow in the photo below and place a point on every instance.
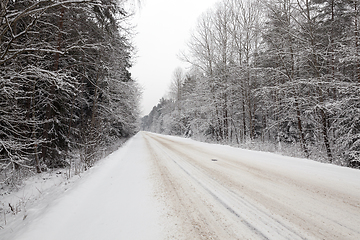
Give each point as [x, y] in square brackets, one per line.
[263, 224]
[307, 201]
[189, 226]
[217, 198]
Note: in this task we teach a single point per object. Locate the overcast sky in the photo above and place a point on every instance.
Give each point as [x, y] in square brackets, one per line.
[163, 28]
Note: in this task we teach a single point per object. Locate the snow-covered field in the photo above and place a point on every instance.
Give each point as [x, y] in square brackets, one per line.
[161, 187]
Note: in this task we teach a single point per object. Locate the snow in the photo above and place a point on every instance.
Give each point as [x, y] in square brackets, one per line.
[344, 179]
[112, 201]
[277, 197]
[147, 191]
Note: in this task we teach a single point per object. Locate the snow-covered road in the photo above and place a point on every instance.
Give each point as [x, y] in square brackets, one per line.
[218, 192]
[114, 200]
[161, 187]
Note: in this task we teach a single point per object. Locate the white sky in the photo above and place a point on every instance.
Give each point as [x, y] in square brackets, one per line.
[163, 28]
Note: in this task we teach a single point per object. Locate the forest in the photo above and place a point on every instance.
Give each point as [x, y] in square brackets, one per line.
[281, 73]
[66, 93]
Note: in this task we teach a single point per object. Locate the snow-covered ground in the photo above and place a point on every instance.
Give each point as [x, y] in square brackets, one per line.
[161, 187]
[221, 192]
[114, 200]
[14, 204]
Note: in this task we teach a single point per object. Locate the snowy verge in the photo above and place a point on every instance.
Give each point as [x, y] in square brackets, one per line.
[15, 204]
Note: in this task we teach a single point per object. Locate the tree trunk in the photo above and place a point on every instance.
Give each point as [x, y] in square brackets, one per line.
[301, 131]
[32, 106]
[49, 112]
[357, 40]
[244, 120]
[315, 65]
[325, 135]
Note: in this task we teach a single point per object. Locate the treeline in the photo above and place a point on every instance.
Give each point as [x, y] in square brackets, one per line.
[65, 88]
[284, 71]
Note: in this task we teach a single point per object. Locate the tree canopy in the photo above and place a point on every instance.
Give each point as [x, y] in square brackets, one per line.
[65, 85]
[283, 72]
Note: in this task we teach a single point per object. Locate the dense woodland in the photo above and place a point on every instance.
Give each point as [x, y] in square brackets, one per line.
[65, 89]
[284, 72]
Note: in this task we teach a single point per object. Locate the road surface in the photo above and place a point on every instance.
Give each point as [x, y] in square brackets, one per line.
[218, 193]
[160, 187]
